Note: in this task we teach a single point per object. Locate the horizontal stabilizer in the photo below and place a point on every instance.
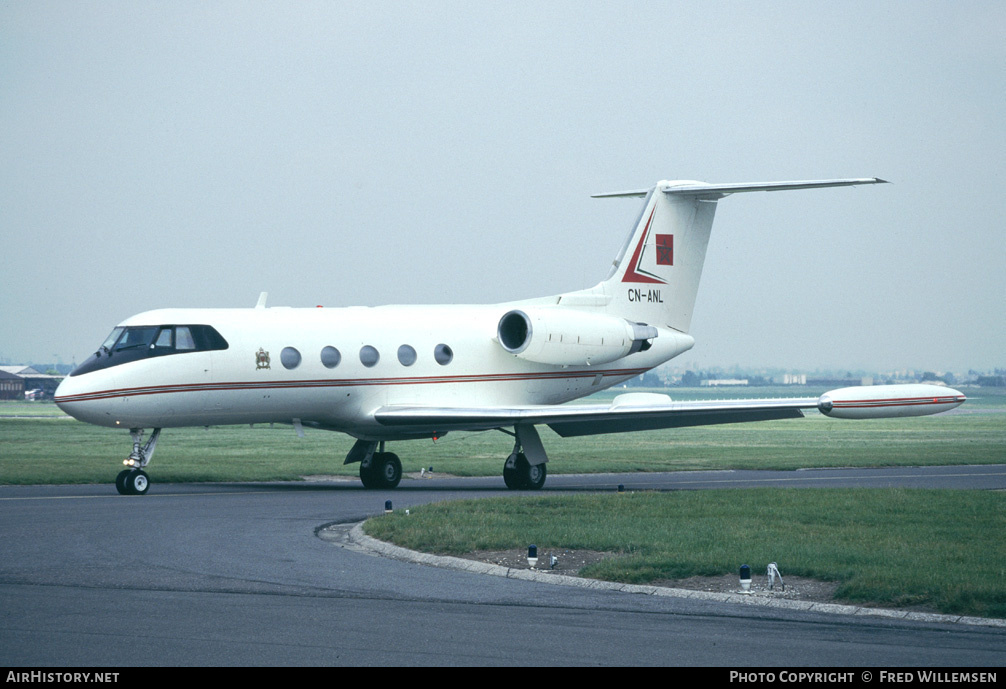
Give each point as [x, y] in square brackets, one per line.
[700, 189]
[720, 190]
[637, 193]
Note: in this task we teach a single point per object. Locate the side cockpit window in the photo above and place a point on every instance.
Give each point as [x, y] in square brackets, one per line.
[133, 343]
[183, 339]
[173, 339]
[164, 339]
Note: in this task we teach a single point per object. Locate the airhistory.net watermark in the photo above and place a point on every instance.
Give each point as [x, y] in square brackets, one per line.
[40, 676]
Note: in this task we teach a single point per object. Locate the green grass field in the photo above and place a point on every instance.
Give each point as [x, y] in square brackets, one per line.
[891, 547]
[54, 449]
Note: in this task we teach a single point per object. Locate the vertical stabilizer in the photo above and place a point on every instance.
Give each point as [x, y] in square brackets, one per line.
[655, 277]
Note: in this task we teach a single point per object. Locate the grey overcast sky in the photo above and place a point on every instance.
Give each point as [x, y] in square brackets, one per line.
[189, 154]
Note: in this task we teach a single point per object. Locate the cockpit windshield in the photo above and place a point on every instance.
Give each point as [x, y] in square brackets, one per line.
[111, 339]
[136, 337]
[132, 343]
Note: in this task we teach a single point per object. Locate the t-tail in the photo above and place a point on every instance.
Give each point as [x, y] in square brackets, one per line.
[652, 283]
[655, 277]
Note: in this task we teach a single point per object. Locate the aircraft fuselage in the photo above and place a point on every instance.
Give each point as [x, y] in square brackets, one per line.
[331, 368]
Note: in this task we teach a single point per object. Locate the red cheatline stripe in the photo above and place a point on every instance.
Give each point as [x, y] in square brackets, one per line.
[348, 382]
[897, 402]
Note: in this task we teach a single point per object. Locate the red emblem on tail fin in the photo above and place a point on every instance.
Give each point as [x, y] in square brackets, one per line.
[665, 249]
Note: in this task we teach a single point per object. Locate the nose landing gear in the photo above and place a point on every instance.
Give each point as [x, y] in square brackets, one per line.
[134, 481]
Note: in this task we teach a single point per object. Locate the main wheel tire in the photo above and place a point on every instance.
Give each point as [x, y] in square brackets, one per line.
[512, 475]
[120, 482]
[136, 482]
[532, 476]
[385, 471]
[389, 470]
[368, 475]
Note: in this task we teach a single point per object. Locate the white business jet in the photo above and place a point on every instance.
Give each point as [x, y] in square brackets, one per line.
[402, 372]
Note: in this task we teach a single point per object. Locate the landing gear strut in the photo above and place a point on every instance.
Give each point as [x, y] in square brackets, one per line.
[134, 481]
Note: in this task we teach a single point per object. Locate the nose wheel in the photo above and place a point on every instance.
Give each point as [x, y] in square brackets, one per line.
[132, 482]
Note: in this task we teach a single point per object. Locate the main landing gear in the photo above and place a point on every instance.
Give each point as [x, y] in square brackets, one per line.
[378, 469]
[524, 469]
[519, 474]
[383, 471]
[134, 480]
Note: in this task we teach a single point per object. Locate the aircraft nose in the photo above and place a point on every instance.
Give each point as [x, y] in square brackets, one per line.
[82, 397]
[68, 394]
[62, 392]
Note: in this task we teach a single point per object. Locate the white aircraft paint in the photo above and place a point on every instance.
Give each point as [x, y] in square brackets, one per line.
[396, 372]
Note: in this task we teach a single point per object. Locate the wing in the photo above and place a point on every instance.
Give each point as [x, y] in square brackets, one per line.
[649, 411]
[631, 412]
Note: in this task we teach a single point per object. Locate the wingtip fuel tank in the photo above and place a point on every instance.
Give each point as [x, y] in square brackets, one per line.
[889, 401]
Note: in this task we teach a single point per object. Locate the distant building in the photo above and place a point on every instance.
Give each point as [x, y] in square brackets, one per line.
[21, 370]
[11, 386]
[32, 379]
[794, 379]
[712, 382]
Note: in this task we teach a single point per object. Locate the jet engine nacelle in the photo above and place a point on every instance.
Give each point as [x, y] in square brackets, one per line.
[570, 338]
[889, 401]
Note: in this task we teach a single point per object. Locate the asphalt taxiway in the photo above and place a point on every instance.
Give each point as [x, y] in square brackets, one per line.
[236, 574]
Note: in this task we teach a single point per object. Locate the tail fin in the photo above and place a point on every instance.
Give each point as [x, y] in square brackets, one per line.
[655, 277]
